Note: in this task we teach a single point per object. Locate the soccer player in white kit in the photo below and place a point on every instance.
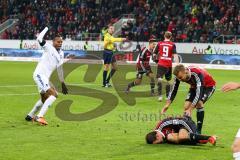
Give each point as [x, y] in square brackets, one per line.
[52, 58]
[236, 144]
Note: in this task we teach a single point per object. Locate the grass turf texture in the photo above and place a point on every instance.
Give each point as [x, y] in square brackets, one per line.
[118, 134]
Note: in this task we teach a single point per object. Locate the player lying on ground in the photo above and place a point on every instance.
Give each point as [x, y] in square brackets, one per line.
[230, 86]
[143, 67]
[178, 131]
[51, 59]
[202, 86]
[163, 55]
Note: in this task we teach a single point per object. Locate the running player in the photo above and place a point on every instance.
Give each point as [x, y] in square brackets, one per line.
[230, 86]
[202, 86]
[143, 67]
[180, 130]
[164, 53]
[51, 59]
[108, 57]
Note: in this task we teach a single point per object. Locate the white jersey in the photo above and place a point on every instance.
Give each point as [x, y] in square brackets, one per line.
[50, 60]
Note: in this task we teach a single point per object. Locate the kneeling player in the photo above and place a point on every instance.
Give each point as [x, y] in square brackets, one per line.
[178, 131]
[143, 67]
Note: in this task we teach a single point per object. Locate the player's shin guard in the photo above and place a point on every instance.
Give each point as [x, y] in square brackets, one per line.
[159, 88]
[36, 108]
[197, 138]
[200, 118]
[168, 88]
[236, 156]
[45, 106]
[104, 77]
[152, 85]
[110, 75]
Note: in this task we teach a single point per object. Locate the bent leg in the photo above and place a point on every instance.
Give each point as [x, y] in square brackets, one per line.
[200, 116]
[50, 97]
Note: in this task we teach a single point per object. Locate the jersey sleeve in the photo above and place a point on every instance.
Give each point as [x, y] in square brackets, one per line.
[199, 87]
[174, 90]
[174, 51]
[155, 54]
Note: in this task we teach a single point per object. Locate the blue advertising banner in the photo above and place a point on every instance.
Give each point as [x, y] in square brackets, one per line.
[36, 53]
[128, 56]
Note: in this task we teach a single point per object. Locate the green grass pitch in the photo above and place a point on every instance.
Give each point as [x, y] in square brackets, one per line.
[117, 135]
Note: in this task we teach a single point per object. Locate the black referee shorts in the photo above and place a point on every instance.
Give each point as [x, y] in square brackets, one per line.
[108, 57]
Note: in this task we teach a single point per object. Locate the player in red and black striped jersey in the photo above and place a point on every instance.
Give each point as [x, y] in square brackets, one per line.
[143, 67]
[181, 130]
[164, 53]
[202, 86]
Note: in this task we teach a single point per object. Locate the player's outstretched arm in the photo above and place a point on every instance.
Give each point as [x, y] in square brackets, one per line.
[61, 78]
[166, 106]
[230, 86]
[41, 35]
[176, 58]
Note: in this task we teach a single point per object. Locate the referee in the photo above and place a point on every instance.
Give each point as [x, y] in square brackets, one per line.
[108, 57]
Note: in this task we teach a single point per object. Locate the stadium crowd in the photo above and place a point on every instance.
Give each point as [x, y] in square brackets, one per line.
[188, 20]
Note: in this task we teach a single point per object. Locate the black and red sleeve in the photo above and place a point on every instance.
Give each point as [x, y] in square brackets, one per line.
[199, 87]
[174, 90]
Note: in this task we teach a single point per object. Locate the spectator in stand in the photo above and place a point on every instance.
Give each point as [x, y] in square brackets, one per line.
[188, 20]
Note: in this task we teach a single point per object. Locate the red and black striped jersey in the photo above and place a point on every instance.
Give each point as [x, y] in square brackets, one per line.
[199, 78]
[173, 125]
[144, 58]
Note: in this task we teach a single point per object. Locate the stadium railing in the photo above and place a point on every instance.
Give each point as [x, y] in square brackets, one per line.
[228, 39]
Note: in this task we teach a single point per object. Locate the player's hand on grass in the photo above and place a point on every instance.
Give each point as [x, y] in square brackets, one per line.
[165, 108]
[188, 112]
[230, 86]
[64, 88]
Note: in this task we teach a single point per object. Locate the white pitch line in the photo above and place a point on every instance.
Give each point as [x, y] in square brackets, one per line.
[31, 94]
[21, 94]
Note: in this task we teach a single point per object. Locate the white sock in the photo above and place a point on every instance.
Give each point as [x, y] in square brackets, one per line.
[236, 156]
[35, 108]
[45, 106]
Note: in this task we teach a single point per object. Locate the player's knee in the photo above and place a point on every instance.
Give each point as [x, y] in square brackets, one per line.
[159, 80]
[114, 67]
[52, 92]
[106, 67]
[199, 105]
[138, 81]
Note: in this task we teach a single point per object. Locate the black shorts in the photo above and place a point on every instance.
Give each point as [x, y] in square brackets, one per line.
[108, 57]
[140, 72]
[206, 94]
[164, 71]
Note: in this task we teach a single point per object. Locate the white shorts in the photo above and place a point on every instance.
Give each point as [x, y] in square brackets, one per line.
[42, 83]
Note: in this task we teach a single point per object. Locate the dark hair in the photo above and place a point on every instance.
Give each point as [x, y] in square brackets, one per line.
[151, 137]
[178, 69]
[57, 35]
[152, 40]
